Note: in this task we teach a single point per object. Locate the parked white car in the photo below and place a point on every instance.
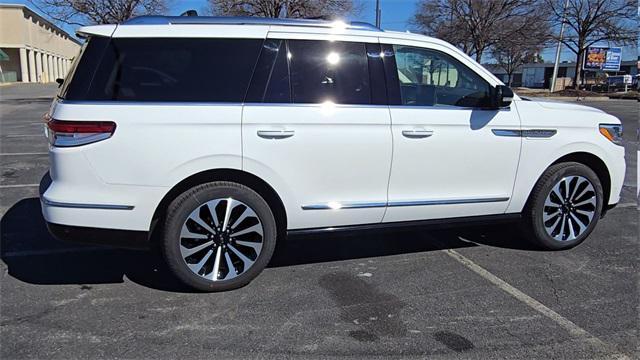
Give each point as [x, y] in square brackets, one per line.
[218, 136]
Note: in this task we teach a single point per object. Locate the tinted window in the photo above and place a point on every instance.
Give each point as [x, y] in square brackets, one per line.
[376, 74]
[429, 77]
[270, 81]
[83, 68]
[153, 69]
[329, 71]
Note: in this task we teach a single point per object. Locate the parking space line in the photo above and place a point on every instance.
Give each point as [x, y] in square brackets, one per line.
[18, 186]
[25, 135]
[573, 329]
[625, 205]
[24, 154]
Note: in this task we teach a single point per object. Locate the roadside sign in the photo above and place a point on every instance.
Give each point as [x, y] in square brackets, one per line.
[602, 58]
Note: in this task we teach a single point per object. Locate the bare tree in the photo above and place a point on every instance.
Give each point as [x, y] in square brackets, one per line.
[285, 8]
[511, 55]
[477, 25]
[84, 12]
[592, 21]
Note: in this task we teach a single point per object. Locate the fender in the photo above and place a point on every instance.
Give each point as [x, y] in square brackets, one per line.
[528, 176]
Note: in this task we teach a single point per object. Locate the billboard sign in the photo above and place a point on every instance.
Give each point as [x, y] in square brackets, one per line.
[602, 58]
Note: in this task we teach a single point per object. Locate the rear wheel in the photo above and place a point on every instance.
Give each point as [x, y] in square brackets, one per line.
[564, 207]
[218, 236]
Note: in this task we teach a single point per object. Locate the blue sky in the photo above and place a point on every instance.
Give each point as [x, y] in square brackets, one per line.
[396, 15]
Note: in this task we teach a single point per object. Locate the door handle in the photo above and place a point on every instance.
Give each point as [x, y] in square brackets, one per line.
[275, 134]
[417, 134]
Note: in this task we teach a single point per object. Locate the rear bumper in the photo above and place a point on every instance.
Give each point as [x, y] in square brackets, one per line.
[132, 239]
[85, 201]
[97, 236]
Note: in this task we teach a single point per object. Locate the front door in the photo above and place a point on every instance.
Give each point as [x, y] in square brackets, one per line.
[450, 157]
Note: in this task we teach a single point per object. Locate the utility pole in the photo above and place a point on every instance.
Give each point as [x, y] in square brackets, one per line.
[559, 49]
[378, 14]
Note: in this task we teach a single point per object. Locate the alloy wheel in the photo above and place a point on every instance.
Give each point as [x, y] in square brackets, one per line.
[569, 208]
[221, 239]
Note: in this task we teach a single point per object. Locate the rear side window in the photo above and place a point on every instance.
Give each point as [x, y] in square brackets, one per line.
[333, 71]
[170, 69]
[83, 68]
[270, 83]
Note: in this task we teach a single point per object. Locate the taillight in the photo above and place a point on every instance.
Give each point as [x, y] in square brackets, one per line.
[75, 133]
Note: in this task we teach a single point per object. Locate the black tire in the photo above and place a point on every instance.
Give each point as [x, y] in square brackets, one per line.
[195, 198]
[533, 225]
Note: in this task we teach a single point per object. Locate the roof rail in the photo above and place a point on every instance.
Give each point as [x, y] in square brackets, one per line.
[246, 20]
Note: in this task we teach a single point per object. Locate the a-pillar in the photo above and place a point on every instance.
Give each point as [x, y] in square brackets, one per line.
[24, 67]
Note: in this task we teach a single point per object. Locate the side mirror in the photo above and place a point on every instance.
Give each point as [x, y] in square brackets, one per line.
[60, 81]
[502, 97]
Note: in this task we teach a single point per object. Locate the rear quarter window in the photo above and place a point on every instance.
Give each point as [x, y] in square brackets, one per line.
[168, 70]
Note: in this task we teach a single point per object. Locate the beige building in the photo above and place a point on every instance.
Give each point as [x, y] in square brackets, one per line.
[32, 49]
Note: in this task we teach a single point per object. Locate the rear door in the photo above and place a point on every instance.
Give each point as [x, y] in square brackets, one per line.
[316, 127]
[452, 157]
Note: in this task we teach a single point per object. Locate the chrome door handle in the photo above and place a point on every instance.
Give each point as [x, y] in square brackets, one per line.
[417, 134]
[275, 134]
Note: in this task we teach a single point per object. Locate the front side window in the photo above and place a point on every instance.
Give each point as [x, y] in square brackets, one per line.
[174, 69]
[333, 71]
[428, 78]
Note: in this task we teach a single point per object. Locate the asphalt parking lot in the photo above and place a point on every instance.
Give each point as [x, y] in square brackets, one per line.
[445, 294]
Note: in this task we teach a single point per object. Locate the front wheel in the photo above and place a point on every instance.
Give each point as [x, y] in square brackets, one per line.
[564, 207]
[218, 236]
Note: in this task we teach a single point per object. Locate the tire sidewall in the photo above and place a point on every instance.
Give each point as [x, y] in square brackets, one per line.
[537, 208]
[186, 203]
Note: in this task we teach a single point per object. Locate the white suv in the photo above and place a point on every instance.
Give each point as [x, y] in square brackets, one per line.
[218, 136]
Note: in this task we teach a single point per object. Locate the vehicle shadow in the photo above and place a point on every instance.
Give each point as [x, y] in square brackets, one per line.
[34, 257]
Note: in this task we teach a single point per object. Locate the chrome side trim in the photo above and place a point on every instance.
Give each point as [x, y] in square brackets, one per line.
[86, 206]
[530, 133]
[507, 132]
[364, 205]
[344, 205]
[446, 201]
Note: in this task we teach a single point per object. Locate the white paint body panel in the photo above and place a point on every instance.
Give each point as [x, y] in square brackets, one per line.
[577, 128]
[463, 159]
[337, 154]
[342, 154]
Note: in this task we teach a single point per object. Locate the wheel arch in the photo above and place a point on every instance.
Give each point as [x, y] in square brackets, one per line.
[596, 164]
[242, 177]
[588, 159]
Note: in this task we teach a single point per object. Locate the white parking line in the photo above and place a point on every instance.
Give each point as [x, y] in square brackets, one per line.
[26, 135]
[625, 205]
[26, 153]
[573, 329]
[18, 186]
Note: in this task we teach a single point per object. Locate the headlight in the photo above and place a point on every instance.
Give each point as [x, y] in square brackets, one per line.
[613, 132]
